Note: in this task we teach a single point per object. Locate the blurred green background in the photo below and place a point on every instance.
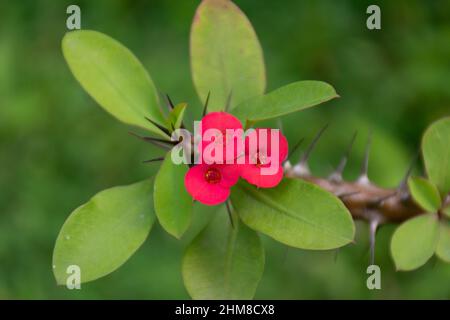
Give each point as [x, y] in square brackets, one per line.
[57, 148]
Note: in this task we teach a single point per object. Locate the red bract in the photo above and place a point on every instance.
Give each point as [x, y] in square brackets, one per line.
[214, 134]
[258, 159]
[210, 184]
[260, 155]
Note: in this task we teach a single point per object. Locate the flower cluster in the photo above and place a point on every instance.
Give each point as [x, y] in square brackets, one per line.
[227, 153]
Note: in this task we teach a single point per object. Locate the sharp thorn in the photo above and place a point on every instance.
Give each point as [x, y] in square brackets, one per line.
[160, 145]
[153, 160]
[228, 104]
[373, 230]
[227, 204]
[165, 144]
[287, 166]
[347, 194]
[182, 126]
[335, 177]
[337, 174]
[379, 201]
[310, 148]
[205, 106]
[170, 103]
[153, 139]
[296, 146]
[301, 169]
[363, 178]
[160, 127]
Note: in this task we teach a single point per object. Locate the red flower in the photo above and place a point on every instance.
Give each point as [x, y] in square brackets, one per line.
[215, 137]
[258, 159]
[210, 184]
[265, 150]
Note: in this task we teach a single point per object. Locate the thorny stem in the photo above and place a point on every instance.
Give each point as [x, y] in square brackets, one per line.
[360, 197]
[364, 200]
[368, 202]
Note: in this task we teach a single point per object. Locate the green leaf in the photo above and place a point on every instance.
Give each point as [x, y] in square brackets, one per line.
[173, 205]
[443, 246]
[103, 233]
[176, 115]
[297, 213]
[114, 77]
[226, 56]
[436, 154]
[414, 241]
[223, 262]
[424, 193]
[287, 99]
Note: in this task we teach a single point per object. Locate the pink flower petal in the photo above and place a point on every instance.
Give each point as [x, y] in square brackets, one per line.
[252, 173]
[264, 144]
[259, 158]
[210, 184]
[230, 174]
[221, 121]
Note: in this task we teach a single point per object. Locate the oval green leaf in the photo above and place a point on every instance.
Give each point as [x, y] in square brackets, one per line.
[173, 205]
[290, 98]
[436, 154]
[226, 57]
[443, 246]
[114, 77]
[414, 241]
[296, 213]
[424, 193]
[223, 262]
[103, 233]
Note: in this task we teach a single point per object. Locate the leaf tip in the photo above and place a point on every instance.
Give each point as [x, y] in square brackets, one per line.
[176, 234]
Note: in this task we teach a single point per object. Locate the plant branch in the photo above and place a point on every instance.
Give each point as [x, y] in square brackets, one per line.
[364, 200]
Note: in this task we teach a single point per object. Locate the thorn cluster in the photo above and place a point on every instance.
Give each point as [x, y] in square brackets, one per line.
[364, 199]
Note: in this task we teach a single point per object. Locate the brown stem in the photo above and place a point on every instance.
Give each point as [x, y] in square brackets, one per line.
[366, 201]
